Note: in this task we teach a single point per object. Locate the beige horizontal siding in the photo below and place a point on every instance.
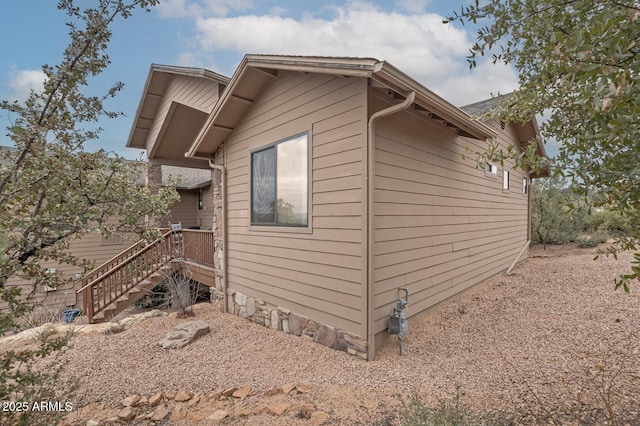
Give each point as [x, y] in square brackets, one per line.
[91, 247]
[316, 272]
[184, 211]
[205, 216]
[441, 225]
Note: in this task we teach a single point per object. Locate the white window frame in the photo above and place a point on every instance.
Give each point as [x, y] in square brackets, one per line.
[525, 186]
[490, 170]
[505, 180]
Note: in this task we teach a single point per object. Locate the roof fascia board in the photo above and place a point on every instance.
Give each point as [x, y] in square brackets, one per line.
[194, 186]
[352, 67]
[190, 72]
[139, 109]
[313, 63]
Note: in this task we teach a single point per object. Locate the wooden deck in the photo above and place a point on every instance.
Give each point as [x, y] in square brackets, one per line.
[124, 279]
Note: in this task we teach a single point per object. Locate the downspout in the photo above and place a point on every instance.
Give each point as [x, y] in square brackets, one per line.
[223, 184]
[517, 257]
[370, 234]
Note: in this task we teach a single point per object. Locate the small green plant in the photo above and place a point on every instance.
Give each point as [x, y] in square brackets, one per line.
[449, 412]
[585, 241]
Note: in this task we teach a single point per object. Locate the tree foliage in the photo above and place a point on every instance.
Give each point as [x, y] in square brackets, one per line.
[579, 63]
[559, 216]
[53, 191]
[551, 222]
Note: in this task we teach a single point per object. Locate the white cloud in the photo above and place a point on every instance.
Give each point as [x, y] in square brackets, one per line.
[22, 82]
[483, 82]
[417, 43]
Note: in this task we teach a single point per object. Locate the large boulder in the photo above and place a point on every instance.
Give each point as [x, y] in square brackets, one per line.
[184, 333]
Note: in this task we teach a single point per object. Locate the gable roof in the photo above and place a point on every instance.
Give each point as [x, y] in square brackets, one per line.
[154, 91]
[528, 131]
[256, 70]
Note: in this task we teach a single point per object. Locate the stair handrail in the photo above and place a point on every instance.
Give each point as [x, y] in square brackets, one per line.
[88, 300]
[125, 262]
[120, 255]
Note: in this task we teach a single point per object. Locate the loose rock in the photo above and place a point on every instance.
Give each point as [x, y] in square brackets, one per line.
[277, 409]
[218, 415]
[242, 392]
[155, 399]
[126, 414]
[183, 396]
[184, 333]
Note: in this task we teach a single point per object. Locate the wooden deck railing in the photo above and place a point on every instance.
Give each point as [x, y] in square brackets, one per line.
[107, 283]
[199, 246]
[110, 281]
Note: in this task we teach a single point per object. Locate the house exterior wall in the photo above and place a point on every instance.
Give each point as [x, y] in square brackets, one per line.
[194, 92]
[441, 224]
[317, 271]
[204, 217]
[92, 247]
[185, 210]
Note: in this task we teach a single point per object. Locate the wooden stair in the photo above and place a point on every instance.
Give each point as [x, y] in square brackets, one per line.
[126, 278]
[134, 294]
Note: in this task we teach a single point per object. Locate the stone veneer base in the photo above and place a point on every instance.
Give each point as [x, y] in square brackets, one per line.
[279, 318]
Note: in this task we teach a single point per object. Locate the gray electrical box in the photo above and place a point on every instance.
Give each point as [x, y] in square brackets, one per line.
[398, 322]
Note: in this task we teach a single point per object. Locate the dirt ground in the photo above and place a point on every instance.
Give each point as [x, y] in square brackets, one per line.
[551, 342]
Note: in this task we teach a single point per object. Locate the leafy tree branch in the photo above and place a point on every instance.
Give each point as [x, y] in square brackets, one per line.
[578, 65]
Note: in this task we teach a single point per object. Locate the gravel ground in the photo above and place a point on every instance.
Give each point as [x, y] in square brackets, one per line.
[553, 339]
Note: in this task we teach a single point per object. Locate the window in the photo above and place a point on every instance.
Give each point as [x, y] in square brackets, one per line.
[200, 201]
[505, 180]
[491, 169]
[525, 186]
[279, 183]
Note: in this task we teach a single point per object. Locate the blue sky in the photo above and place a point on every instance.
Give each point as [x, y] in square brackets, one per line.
[215, 34]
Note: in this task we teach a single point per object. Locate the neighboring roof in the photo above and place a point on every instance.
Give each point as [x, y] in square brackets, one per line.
[481, 108]
[528, 131]
[153, 93]
[256, 70]
[188, 178]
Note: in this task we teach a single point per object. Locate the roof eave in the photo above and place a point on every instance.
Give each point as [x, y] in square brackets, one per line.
[347, 67]
[129, 143]
[390, 75]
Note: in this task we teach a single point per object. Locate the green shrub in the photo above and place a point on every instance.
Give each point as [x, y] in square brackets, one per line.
[585, 241]
[449, 412]
[616, 224]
